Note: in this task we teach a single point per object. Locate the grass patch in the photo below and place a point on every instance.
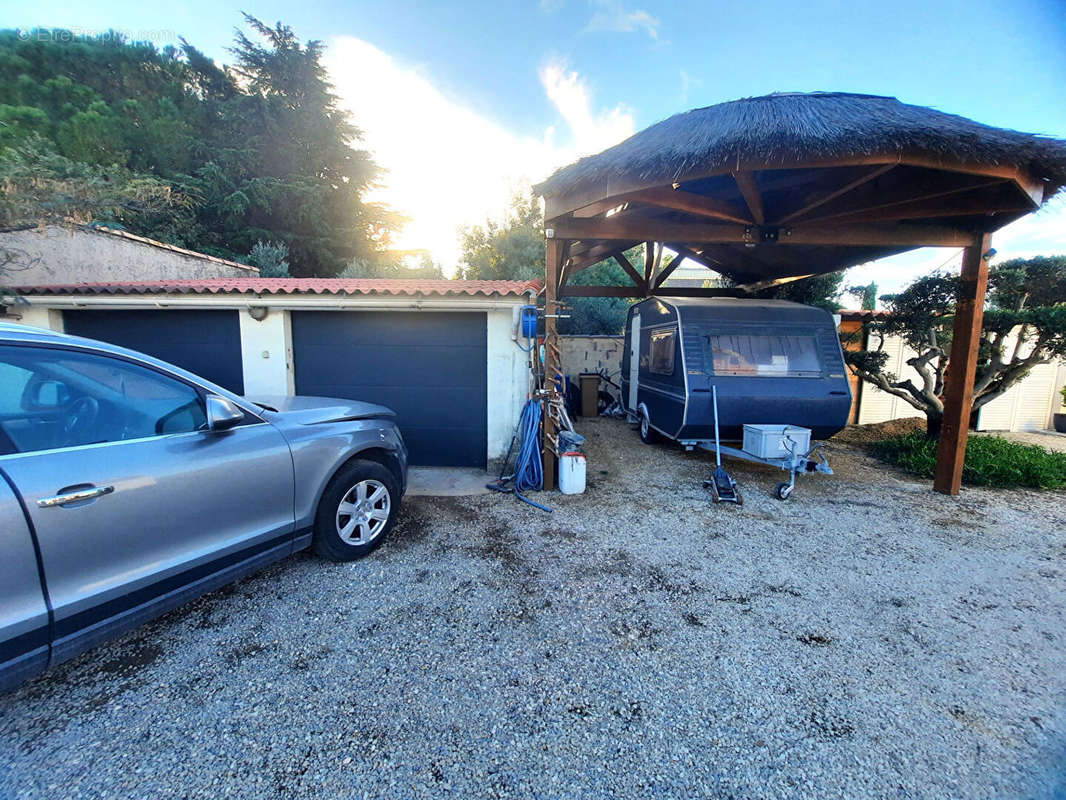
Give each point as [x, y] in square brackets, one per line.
[990, 461]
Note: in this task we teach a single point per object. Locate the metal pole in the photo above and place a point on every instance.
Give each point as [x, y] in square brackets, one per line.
[717, 443]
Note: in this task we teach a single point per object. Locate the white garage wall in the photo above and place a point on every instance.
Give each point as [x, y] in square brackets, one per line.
[47, 318]
[508, 383]
[266, 353]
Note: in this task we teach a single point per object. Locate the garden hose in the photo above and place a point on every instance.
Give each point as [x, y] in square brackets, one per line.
[528, 470]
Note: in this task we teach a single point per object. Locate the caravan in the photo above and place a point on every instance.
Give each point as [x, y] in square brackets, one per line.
[771, 362]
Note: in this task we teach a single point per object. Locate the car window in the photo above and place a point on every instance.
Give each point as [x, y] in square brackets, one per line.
[70, 398]
[13, 381]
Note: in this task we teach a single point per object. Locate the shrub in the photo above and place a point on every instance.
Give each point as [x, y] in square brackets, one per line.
[990, 461]
[271, 258]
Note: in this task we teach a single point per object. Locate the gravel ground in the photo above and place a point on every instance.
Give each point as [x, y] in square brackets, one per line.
[865, 639]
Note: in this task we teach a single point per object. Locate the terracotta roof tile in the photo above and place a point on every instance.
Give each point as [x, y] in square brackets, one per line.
[267, 286]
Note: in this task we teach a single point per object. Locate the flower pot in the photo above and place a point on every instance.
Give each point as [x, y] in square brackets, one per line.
[1060, 423]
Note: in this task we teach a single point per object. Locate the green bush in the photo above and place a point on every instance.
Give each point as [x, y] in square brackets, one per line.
[990, 461]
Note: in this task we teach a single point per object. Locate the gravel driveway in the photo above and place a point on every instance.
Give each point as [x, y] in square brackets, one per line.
[866, 638]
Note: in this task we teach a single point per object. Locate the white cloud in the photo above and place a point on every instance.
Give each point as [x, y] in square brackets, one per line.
[449, 166]
[688, 82]
[611, 15]
[570, 96]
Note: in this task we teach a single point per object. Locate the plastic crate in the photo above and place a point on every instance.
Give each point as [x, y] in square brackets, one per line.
[776, 441]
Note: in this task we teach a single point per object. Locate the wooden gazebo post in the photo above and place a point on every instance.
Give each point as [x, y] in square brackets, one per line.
[962, 369]
[553, 258]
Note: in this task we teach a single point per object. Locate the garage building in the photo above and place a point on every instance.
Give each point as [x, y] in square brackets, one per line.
[440, 353]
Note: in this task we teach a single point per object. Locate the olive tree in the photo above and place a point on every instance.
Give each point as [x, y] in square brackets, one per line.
[1024, 325]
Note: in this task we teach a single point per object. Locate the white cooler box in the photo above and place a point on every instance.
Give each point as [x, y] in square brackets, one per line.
[776, 441]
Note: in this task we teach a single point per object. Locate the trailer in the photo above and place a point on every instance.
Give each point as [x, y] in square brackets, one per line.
[768, 364]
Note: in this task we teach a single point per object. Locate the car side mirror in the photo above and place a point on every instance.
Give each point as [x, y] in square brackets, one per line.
[45, 395]
[222, 414]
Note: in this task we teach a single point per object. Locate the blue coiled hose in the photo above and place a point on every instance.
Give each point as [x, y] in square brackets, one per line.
[528, 471]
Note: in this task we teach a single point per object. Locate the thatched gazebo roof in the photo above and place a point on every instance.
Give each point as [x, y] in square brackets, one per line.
[787, 127]
[842, 178]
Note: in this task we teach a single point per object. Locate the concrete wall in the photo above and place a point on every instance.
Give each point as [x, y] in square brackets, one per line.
[591, 354]
[57, 255]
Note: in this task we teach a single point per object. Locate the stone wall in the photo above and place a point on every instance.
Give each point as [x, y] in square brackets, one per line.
[61, 255]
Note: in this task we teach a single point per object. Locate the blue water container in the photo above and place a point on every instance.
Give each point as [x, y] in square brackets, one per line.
[529, 322]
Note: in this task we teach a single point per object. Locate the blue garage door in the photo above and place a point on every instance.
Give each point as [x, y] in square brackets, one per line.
[430, 368]
[205, 342]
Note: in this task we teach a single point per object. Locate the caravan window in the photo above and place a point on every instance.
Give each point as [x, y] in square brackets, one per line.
[661, 352]
[784, 355]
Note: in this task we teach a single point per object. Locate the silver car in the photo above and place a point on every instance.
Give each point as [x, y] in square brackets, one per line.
[129, 486]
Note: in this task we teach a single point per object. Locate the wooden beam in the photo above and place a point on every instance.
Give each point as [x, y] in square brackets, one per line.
[759, 285]
[631, 271]
[696, 291]
[601, 252]
[649, 260]
[692, 255]
[866, 177]
[873, 235]
[962, 367]
[752, 196]
[553, 258]
[668, 270]
[931, 209]
[649, 230]
[564, 262]
[734, 262]
[603, 206]
[889, 235]
[869, 210]
[700, 205]
[580, 290]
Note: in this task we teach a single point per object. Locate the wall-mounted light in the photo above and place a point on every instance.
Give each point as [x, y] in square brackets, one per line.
[258, 313]
[990, 254]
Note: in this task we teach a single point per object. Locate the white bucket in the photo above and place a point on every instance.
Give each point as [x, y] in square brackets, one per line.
[571, 473]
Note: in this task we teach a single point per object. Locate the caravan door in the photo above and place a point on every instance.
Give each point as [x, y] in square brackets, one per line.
[634, 361]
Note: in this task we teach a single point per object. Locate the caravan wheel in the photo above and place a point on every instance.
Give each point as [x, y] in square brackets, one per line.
[648, 434]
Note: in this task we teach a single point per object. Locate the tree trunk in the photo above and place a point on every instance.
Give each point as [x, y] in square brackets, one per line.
[932, 426]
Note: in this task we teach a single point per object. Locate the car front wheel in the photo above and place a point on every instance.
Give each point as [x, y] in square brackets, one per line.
[357, 510]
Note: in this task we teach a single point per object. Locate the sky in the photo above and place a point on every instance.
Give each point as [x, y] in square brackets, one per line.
[466, 103]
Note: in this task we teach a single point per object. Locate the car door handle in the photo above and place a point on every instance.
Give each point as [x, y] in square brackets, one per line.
[75, 496]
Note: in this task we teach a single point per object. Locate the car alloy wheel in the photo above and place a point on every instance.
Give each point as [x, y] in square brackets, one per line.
[363, 512]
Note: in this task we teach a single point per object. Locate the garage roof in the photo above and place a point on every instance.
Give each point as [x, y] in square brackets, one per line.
[278, 286]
